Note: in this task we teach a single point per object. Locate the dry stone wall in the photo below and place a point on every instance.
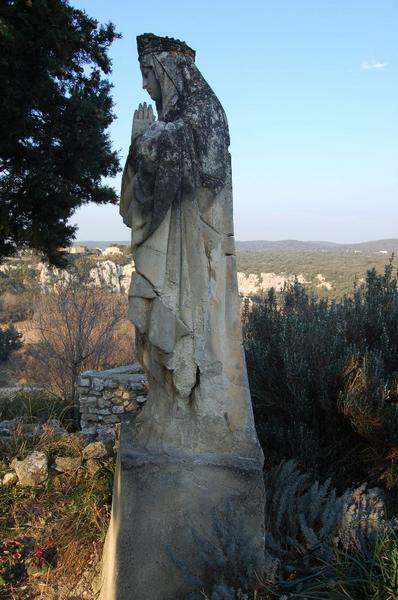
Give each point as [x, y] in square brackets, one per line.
[106, 396]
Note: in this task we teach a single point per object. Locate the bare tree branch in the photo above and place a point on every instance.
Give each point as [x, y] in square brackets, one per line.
[78, 328]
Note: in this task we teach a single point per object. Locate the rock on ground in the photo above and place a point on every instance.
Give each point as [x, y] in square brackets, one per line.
[95, 450]
[33, 470]
[9, 479]
[67, 463]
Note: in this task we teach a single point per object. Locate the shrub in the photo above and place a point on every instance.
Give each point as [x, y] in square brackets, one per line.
[15, 307]
[10, 340]
[33, 405]
[305, 520]
[309, 525]
[370, 572]
[19, 276]
[77, 328]
[324, 379]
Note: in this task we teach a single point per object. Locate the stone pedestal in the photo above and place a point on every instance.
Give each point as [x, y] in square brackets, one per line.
[158, 499]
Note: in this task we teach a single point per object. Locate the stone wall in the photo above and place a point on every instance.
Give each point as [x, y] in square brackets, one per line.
[105, 396]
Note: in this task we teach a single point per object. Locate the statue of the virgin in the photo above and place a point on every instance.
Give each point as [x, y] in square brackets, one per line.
[193, 449]
[177, 199]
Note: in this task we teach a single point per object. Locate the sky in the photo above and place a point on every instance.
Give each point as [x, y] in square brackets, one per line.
[310, 89]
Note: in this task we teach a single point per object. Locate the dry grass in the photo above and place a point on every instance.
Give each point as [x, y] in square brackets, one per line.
[68, 516]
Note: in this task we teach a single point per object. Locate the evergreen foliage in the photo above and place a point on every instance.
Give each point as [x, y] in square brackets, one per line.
[19, 278]
[10, 340]
[55, 109]
[324, 380]
[305, 521]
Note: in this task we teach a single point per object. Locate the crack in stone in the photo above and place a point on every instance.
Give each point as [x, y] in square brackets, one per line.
[196, 385]
[149, 283]
[210, 226]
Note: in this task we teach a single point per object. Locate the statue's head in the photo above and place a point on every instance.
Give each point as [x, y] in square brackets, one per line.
[162, 60]
[148, 43]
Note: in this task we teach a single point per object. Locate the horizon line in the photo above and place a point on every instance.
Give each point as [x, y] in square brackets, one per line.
[316, 241]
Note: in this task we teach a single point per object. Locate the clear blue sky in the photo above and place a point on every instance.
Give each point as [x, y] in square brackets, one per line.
[310, 88]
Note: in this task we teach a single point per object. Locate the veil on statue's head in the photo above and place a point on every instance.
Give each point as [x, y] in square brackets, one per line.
[174, 66]
[185, 91]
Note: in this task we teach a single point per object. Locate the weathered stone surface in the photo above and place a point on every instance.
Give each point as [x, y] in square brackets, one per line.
[33, 470]
[97, 384]
[104, 411]
[104, 274]
[9, 479]
[91, 401]
[252, 284]
[90, 430]
[64, 464]
[120, 386]
[136, 378]
[188, 330]
[158, 500]
[112, 275]
[192, 448]
[139, 388]
[103, 403]
[112, 385]
[115, 375]
[141, 287]
[95, 450]
[92, 418]
[111, 419]
[108, 434]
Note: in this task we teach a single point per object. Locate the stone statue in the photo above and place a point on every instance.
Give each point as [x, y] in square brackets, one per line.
[177, 199]
[193, 447]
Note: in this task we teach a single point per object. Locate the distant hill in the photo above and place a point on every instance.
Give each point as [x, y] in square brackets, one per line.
[389, 245]
[102, 245]
[326, 267]
[282, 245]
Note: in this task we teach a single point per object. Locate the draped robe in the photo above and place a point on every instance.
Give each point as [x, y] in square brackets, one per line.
[183, 299]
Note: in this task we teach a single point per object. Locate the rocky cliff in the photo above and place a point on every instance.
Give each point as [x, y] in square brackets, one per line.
[116, 277]
[103, 273]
